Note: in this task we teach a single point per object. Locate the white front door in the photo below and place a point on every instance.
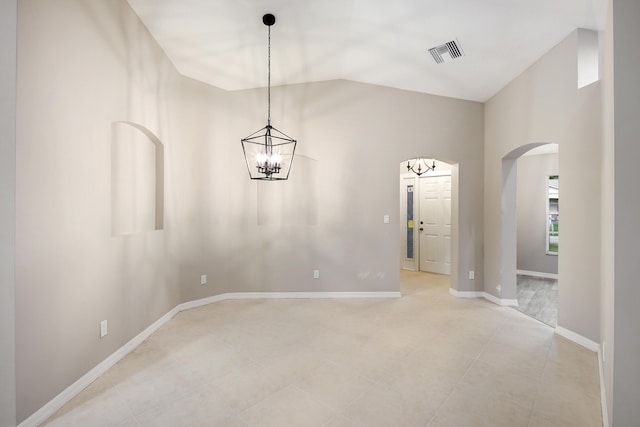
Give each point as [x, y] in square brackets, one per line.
[435, 224]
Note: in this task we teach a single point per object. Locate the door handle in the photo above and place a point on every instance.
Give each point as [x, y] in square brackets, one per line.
[421, 229]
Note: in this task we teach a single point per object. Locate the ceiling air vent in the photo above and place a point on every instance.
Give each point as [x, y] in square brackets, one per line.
[446, 52]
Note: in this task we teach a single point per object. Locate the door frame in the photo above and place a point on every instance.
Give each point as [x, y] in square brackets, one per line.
[405, 263]
[507, 288]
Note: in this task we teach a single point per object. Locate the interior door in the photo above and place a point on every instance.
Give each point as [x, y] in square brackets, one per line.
[435, 224]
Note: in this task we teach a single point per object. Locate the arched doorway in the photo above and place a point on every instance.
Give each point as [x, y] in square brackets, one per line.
[428, 219]
[529, 230]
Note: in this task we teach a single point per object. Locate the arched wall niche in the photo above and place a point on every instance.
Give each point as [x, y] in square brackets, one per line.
[137, 179]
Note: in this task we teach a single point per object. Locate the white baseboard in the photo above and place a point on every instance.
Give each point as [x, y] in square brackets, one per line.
[466, 294]
[577, 338]
[310, 295]
[603, 391]
[284, 295]
[200, 302]
[501, 301]
[70, 392]
[538, 274]
[570, 335]
[74, 389]
[485, 295]
[595, 347]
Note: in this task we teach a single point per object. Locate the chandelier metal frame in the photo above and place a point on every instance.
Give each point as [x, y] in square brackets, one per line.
[268, 151]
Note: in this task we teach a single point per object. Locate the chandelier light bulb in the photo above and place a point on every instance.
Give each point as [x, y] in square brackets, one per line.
[261, 158]
[276, 159]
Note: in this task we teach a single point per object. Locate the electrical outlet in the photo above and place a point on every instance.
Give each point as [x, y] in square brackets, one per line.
[386, 219]
[316, 274]
[203, 279]
[103, 328]
[472, 274]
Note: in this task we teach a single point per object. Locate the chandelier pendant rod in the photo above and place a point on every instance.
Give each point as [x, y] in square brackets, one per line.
[269, 80]
[266, 159]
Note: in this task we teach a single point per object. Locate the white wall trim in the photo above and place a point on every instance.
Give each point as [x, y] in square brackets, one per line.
[200, 302]
[74, 389]
[466, 294]
[603, 391]
[595, 347]
[570, 335]
[501, 301]
[538, 274]
[310, 295]
[485, 295]
[577, 338]
[284, 295]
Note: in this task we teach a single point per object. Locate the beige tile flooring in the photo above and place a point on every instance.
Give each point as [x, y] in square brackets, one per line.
[426, 359]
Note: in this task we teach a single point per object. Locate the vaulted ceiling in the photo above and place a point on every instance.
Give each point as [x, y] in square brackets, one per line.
[383, 42]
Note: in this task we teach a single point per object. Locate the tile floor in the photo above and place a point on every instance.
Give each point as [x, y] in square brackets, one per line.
[538, 298]
[426, 359]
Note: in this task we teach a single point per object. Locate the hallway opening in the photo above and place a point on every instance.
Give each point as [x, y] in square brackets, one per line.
[530, 230]
[426, 226]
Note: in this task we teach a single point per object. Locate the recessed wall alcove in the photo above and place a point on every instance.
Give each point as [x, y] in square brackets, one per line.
[137, 179]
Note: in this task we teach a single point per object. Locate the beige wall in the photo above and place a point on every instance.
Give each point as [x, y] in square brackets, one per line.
[607, 251]
[8, 11]
[253, 236]
[86, 64]
[544, 105]
[626, 128]
[533, 175]
[81, 66]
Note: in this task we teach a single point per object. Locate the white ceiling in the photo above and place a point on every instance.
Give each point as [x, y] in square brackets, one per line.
[383, 42]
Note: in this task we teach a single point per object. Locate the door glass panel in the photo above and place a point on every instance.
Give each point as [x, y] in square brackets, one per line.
[553, 221]
[409, 252]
